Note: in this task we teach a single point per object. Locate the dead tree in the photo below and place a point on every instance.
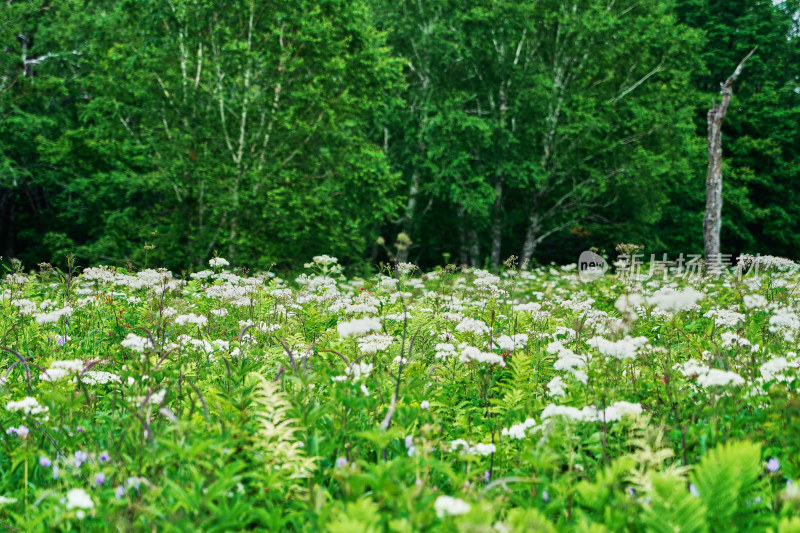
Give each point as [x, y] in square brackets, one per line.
[713, 215]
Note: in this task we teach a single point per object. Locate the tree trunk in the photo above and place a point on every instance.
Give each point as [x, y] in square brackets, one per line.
[497, 221]
[531, 238]
[712, 223]
[408, 218]
[474, 248]
[463, 249]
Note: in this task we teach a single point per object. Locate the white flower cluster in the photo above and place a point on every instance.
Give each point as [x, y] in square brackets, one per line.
[449, 506]
[218, 262]
[674, 301]
[755, 301]
[626, 348]
[191, 318]
[357, 371]
[471, 325]
[61, 369]
[444, 350]
[376, 342]
[590, 413]
[470, 353]
[136, 343]
[53, 316]
[28, 405]
[517, 431]
[725, 318]
[780, 369]
[784, 321]
[358, 326]
[511, 343]
[556, 387]
[472, 449]
[708, 377]
[733, 340]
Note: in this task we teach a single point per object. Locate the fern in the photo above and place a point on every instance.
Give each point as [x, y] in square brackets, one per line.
[282, 453]
[672, 507]
[727, 481]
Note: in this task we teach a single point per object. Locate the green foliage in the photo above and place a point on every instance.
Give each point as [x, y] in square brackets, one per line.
[727, 481]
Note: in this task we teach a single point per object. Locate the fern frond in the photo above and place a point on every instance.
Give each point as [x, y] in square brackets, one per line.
[276, 437]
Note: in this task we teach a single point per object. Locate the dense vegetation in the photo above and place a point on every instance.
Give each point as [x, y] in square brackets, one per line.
[468, 131]
[455, 400]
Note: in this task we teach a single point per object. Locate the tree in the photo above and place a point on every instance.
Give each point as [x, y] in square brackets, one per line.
[713, 213]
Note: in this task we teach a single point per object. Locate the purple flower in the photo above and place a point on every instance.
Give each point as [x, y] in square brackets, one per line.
[134, 482]
[62, 340]
[411, 450]
[630, 492]
[409, 441]
[486, 476]
[79, 429]
[11, 431]
[80, 458]
[120, 492]
[773, 465]
[22, 431]
[694, 490]
[100, 478]
[545, 496]
[55, 471]
[45, 461]
[341, 462]
[104, 457]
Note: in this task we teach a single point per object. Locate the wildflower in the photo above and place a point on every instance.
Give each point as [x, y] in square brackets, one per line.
[424, 405]
[215, 262]
[447, 505]
[693, 490]
[55, 471]
[674, 301]
[78, 498]
[719, 378]
[358, 326]
[120, 492]
[545, 496]
[517, 431]
[469, 325]
[22, 432]
[341, 462]
[474, 354]
[100, 478]
[136, 343]
[80, 458]
[45, 461]
[773, 465]
[28, 405]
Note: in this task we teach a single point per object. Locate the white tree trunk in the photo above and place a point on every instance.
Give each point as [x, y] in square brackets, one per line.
[712, 223]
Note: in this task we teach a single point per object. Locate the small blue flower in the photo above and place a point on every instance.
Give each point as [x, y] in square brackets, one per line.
[120, 492]
[545, 496]
[45, 461]
[773, 465]
[100, 478]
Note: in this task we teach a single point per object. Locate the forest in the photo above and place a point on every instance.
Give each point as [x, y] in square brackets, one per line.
[159, 132]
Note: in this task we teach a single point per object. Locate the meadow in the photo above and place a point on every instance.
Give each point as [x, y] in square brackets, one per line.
[451, 400]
